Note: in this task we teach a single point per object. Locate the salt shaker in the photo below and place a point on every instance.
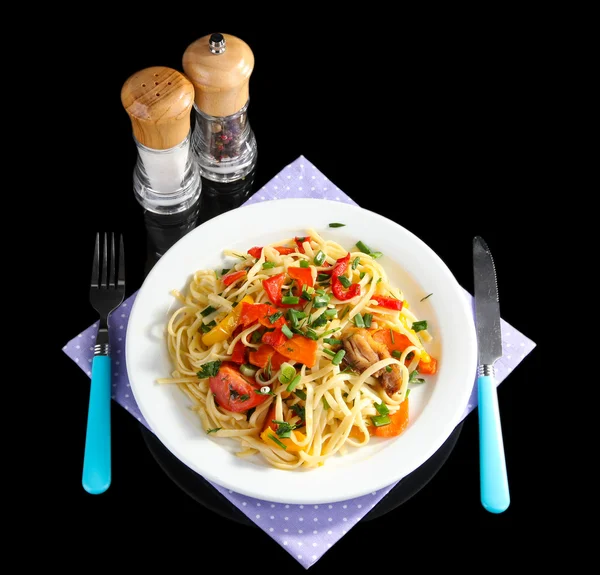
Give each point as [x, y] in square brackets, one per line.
[159, 100]
[219, 66]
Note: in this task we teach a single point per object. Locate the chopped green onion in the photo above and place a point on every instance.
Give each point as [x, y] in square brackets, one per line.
[322, 301]
[284, 429]
[336, 225]
[358, 320]
[290, 299]
[419, 325]
[325, 404]
[288, 373]
[355, 262]
[304, 264]
[297, 330]
[397, 354]
[392, 335]
[225, 271]
[273, 318]
[268, 265]
[345, 281]
[332, 341]
[379, 280]
[361, 275]
[300, 394]
[309, 289]
[256, 336]
[274, 439]
[248, 370]
[320, 291]
[311, 334]
[322, 278]
[388, 368]
[410, 355]
[330, 331]
[329, 352]
[330, 313]
[320, 258]
[287, 331]
[368, 318]
[338, 357]
[206, 327]
[294, 383]
[429, 295]
[380, 420]
[414, 379]
[382, 408]
[209, 369]
[299, 411]
[320, 321]
[305, 295]
[346, 310]
[235, 303]
[376, 255]
[213, 430]
[363, 248]
[407, 392]
[295, 315]
[207, 310]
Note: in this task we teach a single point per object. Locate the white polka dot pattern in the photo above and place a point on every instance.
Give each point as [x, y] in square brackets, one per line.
[314, 527]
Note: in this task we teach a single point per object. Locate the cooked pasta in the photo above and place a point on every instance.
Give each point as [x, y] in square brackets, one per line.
[298, 352]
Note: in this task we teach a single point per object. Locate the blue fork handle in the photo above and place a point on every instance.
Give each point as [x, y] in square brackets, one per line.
[96, 459]
[495, 496]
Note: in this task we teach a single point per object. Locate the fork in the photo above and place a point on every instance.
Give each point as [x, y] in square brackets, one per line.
[106, 293]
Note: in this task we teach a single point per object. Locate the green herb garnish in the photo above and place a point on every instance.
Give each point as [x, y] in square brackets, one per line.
[213, 430]
[273, 318]
[267, 370]
[225, 271]
[355, 262]
[244, 397]
[397, 354]
[388, 368]
[263, 393]
[256, 336]
[299, 411]
[206, 327]
[294, 383]
[268, 265]
[275, 440]
[284, 429]
[392, 335]
[304, 264]
[429, 295]
[209, 369]
[361, 275]
[207, 310]
[329, 352]
[332, 341]
[320, 321]
[336, 225]
[382, 408]
[407, 392]
[380, 420]
[414, 379]
[311, 334]
[410, 355]
[345, 281]
[240, 256]
[346, 310]
[300, 394]
[320, 258]
[338, 357]
[290, 300]
[419, 325]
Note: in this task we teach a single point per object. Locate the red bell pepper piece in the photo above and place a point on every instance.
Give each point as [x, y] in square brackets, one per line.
[303, 276]
[272, 286]
[232, 277]
[274, 338]
[285, 251]
[239, 353]
[253, 312]
[300, 241]
[261, 356]
[388, 302]
[338, 289]
[255, 252]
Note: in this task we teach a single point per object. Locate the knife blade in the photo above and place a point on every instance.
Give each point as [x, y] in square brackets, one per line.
[495, 496]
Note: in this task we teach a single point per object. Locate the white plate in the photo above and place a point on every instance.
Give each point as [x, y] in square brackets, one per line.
[435, 407]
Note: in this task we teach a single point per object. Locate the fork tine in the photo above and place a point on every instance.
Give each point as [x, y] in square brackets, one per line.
[121, 280]
[95, 265]
[112, 276]
[104, 282]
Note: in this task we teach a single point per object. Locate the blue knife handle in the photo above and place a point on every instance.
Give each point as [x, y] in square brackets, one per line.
[495, 496]
[96, 459]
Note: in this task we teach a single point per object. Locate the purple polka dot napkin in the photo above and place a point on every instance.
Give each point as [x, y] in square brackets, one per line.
[305, 531]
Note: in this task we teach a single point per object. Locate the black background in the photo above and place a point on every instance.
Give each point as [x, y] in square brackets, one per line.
[437, 128]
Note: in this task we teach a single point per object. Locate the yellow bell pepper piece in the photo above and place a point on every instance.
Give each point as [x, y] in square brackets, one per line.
[425, 357]
[289, 444]
[225, 327]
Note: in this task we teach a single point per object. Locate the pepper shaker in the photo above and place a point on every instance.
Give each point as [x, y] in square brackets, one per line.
[159, 100]
[219, 66]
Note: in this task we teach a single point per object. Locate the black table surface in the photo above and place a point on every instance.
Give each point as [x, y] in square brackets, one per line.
[433, 137]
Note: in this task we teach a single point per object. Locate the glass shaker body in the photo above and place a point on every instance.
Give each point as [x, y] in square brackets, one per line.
[224, 147]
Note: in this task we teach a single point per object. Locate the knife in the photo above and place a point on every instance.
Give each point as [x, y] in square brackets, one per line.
[495, 496]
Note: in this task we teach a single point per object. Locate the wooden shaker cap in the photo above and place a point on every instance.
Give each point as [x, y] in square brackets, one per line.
[220, 80]
[159, 101]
